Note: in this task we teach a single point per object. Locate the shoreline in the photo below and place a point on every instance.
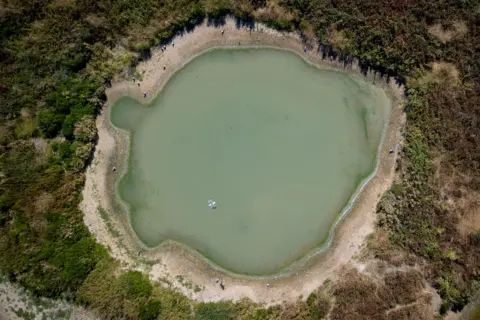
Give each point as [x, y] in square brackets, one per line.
[167, 262]
[123, 137]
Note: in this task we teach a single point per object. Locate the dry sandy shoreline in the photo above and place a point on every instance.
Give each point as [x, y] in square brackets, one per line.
[110, 225]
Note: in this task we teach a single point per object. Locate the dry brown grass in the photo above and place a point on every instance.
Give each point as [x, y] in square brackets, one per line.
[43, 202]
[274, 12]
[398, 294]
[470, 221]
[412, 312]
[338, 39]
[458, 29]
[356, 298]
[96, 20]
[379, 247]
[404, 286]
[295, 311]
[445, 72]
[25, 113]
[453, 185]
[440, 72]
[307, 29]
[40, 144]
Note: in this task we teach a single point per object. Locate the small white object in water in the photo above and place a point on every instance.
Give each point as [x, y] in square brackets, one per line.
[211, 203]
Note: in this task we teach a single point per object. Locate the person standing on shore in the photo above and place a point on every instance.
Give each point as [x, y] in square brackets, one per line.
[223, 31]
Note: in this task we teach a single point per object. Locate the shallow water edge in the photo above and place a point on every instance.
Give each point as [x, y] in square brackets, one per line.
[170, 261]
[123, 137]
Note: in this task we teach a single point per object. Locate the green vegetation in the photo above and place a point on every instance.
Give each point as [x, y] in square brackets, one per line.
[418, 217]
[57, 57]
[129, 294]
[214, 311]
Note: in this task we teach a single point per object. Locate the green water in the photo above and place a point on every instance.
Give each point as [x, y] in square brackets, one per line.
[281, 146]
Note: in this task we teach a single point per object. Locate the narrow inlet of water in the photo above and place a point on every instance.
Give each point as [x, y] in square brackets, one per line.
[280, 145]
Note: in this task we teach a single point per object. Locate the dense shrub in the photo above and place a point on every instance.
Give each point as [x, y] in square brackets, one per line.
[136, 284]
[214, 311]
[150, 310]
[50, 122]
[85, 129]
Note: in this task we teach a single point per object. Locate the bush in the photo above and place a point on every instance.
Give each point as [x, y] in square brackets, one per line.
[319, 305]
[50, 123]
[25, 128]
[214, 311]
[83, 151]
[150, 310]
[76, 115]
[85, 129]
[135, 285]
[101, 291]
[397, 189]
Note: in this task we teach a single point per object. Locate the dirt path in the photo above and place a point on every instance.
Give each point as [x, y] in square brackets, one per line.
[184, 270]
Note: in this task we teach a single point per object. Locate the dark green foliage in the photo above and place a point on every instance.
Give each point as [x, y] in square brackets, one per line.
[50, 123]
[474, 238]
[214, 311]
[150, 310]
[73, 98]
[51, 252]
[136, 284]
[17, 170]
[130, 295]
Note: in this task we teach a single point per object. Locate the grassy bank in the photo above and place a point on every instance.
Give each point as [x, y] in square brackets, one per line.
[57, 57]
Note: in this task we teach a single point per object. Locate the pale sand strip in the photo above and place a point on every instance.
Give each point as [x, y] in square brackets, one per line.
[171, 260]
